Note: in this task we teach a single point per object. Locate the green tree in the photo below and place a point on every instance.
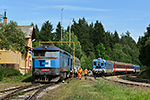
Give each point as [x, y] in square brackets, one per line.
[74, 39]
[99, 33]
[128, 51]
[119, 55]
[107, 43]
[116, 37]
[85, 61]
[144, 46]
[108, 53]
[81, 30]
[126, 39]
[37, 34]
[147, 52]
[46, 31]
[100, 51]
[91, 32]
[58, 32]
[12, 38]
[130, 48]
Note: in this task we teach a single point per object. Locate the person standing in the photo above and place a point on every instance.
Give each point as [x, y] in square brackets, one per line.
[79, 73]
[85, 73]
[76, 72]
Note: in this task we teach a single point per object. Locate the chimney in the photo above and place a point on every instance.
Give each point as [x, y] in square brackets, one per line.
[5, 18]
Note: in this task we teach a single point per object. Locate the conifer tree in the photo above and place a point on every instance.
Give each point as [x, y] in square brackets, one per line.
[144, 44]
[99, 33]
[58, 32]
[46, 31]
[116, 37]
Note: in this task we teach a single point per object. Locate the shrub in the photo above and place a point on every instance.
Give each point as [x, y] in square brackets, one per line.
[7, 72]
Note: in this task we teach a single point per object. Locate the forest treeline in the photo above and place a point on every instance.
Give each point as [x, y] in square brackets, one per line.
[92, 41]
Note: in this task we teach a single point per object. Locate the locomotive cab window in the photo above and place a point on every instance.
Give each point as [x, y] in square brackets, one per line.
[98, 63]
[94, 63]
[102, 63]
[39, 53]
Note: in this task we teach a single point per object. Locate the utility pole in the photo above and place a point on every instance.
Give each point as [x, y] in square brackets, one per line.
[70, 30]
[61, 24]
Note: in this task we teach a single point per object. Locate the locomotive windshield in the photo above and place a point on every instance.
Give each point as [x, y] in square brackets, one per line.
[98, 63]
[39, 53]
[102, 63]
[94, 63]
[51, 54]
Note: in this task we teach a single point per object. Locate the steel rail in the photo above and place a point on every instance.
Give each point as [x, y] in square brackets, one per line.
[34, 96]
[17, 90]
[128, 82]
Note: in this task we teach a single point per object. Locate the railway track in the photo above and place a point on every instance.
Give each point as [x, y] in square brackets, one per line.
[33, 97]
[14, 93]
[128, 80]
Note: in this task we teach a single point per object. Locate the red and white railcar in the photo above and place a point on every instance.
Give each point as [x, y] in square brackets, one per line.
[122, 67]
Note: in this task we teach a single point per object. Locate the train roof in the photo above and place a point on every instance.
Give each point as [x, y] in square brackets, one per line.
[50, 48]
[136, 65]
[99, 59]
[119, 63]
[77, 59]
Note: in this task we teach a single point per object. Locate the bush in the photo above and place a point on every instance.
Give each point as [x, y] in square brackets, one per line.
[7, 72]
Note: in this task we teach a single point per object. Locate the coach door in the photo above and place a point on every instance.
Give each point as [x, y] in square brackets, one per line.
[109, 67]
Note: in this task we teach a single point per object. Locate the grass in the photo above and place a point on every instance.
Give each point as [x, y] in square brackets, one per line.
[96, 90]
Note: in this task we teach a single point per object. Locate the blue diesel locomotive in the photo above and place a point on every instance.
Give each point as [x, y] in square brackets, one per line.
[102, 67]
[99, 66]
[50, 63]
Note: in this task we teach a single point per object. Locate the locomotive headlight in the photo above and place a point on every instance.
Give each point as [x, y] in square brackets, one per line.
[36, 70]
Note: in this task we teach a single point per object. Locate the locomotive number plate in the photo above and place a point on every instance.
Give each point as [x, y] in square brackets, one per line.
[44, 69]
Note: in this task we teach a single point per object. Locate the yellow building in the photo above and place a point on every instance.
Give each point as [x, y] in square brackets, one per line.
[16, 60]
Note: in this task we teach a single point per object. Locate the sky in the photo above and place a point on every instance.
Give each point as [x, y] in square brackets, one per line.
[119, 15]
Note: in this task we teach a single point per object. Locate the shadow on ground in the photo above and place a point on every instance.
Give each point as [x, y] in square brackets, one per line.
[29, 79]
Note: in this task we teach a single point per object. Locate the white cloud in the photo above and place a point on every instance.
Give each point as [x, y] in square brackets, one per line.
[67, 7]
